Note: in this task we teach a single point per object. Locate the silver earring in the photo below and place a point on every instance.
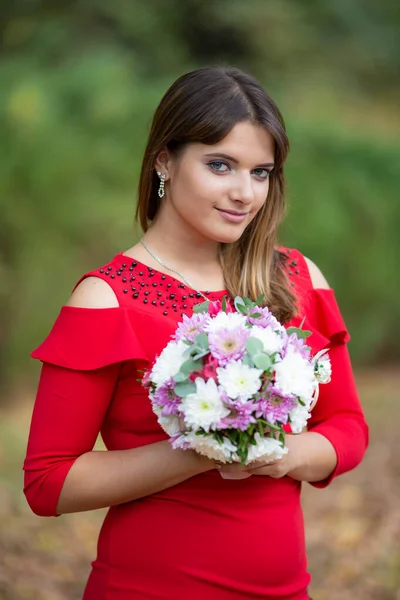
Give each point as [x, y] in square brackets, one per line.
[161, 190]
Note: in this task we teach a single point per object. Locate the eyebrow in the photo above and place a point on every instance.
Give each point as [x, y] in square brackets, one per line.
[232, 159]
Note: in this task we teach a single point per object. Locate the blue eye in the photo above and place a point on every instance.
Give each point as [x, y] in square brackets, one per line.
[218, 166]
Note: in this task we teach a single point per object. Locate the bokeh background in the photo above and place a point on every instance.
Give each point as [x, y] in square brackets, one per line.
[79, 81]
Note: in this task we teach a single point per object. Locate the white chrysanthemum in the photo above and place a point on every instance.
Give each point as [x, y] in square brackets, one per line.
[208, 446]
[171, 424]
[267, 449]
[271, 341]
[225, 321]
[298, 418]
[169, 362]
[204, 408]
[294, 375]
[239, 380]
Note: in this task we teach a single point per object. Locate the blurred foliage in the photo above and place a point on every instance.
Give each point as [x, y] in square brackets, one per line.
[79, 81]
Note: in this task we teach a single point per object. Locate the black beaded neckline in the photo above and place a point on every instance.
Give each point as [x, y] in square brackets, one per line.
[135, 281]
[128, 260]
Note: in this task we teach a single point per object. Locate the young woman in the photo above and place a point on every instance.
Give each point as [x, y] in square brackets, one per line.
[210, 201]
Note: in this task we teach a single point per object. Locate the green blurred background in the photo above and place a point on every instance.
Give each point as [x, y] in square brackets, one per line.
[79, 81]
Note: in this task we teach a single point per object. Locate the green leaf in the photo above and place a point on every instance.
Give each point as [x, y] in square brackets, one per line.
[260, 299]
[224, 303]
[202, 307]
[191, 365]
[254, 346]
[184, 389]
[262, 361]
[247, 360]
[256, 315]
[240, 305]
[180, 377]
[301, 333]
[201, 341]
[199, 355]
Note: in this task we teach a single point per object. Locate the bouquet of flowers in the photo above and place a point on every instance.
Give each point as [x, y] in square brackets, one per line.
[231, 378]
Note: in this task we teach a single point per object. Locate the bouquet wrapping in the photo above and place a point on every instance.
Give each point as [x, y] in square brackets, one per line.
[231, 378]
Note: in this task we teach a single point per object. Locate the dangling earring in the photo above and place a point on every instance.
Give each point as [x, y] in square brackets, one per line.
[161, 190]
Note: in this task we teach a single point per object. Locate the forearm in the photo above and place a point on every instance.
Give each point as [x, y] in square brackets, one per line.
[102, 479]
[315, 456]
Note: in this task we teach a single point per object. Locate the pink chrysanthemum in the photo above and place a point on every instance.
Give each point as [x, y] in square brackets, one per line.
[242, 415]
[275, 407]
[228, 344]
[292, 342]
[266, 319]
[190, 327]
[166, 398]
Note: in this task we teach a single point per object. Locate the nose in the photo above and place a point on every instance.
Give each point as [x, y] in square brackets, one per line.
[243, 191]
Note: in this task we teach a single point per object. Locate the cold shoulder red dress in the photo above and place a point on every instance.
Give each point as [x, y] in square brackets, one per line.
[207, 538]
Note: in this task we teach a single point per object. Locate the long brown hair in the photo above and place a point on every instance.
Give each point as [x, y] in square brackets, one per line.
[203, 106]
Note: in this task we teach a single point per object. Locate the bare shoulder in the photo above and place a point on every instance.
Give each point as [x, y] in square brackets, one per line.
[93, 292]
[317, 278]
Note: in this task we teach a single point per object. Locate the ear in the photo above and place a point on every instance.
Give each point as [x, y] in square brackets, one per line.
[164, 163]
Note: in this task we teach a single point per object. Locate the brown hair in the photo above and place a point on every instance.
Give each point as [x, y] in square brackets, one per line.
[203, 106]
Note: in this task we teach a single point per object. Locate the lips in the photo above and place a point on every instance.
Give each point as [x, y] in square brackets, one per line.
[233, 212]
[232, 215]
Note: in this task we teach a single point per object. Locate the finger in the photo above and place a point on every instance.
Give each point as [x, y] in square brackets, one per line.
[274, 472]
[254, 466]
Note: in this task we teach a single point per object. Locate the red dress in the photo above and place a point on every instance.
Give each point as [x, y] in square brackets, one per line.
[208, 537]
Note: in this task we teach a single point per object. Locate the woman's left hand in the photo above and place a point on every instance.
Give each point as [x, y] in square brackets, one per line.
[283, 466]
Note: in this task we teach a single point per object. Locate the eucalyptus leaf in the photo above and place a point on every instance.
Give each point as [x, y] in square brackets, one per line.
[199, 355]
[201, 341]
[262, 361]
[180, 377]
[247, 360]
[254, 346]
[202, 307]
[191, 365]
[184, 389]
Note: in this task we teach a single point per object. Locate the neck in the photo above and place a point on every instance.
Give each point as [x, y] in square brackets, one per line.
[183, 248]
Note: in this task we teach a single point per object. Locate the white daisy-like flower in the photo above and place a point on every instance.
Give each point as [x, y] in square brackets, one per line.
[169, 362]
[294, 375]
[239, 380]
[204, 408]
[208, 446]
[298, 418]
[271, 340]
[225, 321]
[322, 367]
[266, 448]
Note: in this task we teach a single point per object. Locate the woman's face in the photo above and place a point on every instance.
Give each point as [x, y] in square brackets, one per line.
[216, 190]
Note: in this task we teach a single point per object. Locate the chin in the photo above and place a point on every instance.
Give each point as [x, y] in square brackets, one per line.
[228, 237]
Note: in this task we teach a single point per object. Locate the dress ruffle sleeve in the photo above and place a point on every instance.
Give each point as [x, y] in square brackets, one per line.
[87, 338]
[338, 414]
[82, 357]
[321, 314]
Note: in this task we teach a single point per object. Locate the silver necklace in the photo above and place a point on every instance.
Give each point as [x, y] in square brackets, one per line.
[185, 279]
